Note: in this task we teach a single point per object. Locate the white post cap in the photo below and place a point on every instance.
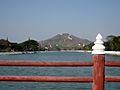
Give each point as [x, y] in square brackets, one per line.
[98, 48]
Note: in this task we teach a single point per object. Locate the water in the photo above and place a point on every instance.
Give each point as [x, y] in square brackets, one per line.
[53, 71]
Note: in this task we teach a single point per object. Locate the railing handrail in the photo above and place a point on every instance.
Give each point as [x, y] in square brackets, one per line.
[44, 63]
[56, 78]
[54, 63]
[47, 78]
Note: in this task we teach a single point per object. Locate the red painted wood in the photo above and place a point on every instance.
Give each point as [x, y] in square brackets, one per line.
[112, 78]
[43, 63]
[47, 78]
[112, 63]
[98, 72]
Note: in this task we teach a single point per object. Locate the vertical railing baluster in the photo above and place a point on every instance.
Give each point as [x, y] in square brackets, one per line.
[98, 64]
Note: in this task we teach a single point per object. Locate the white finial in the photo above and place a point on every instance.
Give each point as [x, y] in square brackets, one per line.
[98, 48]
[99, 36]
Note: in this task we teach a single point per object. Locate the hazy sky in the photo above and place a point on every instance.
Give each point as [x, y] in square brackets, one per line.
[42, 19]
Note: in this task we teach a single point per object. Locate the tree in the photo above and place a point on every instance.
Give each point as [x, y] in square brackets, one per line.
[30, 45]
[16, 47]
[88, 47]
[113, 43]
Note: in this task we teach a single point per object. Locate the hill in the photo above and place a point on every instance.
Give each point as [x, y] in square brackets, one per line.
[64, 41]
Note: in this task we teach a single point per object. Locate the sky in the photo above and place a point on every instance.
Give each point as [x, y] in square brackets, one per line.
[42, 19]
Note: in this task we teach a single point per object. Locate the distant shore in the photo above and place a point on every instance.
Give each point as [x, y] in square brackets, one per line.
[113, 53]
[16, 53]
[117, 53]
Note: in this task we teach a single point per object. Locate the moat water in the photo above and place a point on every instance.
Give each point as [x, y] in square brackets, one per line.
[53, 71]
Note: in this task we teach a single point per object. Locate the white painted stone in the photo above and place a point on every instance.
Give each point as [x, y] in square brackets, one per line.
[98, 48]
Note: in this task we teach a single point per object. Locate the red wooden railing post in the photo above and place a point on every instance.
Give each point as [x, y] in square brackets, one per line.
[98, 64]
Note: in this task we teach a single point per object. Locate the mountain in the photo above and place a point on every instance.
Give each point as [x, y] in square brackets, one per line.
[64, 41]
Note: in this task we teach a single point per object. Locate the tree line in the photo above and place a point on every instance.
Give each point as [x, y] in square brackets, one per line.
[29, 45]
[112, 43]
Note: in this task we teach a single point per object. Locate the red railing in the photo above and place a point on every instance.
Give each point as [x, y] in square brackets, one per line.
[98, 77]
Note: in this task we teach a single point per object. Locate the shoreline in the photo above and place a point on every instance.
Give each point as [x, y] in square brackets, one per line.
[16, 53]
[117, 53]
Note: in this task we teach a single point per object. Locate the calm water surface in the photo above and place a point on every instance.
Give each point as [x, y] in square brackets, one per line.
[53, 71]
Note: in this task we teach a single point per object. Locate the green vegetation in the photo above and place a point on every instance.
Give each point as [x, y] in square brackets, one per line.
[88, 47]
[112, 43]
[29, 45]
[58, 43]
